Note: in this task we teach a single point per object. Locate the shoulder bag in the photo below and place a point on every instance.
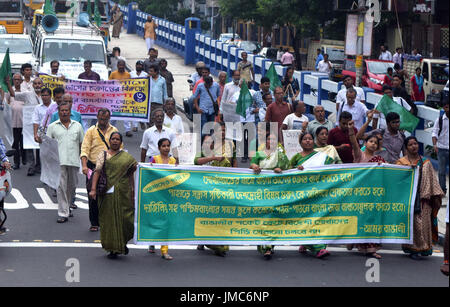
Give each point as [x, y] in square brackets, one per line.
[215, 104]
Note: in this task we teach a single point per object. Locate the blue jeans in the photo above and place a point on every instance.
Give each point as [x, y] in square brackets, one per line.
[206, 118]
[443, 161]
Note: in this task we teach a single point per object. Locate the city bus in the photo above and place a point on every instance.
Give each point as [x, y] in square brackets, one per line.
[11, 16]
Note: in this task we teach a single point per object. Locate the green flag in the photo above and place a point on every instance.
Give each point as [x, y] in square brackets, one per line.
[97, 18]
[48, 8]
[408, 121]
[5, 70]
[244, 101]
[273, 77]
[89, 9]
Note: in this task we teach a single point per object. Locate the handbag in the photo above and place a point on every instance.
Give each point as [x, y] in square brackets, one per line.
[102, 181]
[215, 104]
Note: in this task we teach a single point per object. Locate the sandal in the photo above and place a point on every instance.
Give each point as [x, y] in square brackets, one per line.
[166, 257]
[322, 254]
[302, 249]
[93, 228]
[151, 249]
[268, 255]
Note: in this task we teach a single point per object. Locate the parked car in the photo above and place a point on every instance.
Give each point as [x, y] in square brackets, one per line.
[249, 46]
[373, 72]
[336, 56]
[269, 53]
[20, 50]
[224, 37]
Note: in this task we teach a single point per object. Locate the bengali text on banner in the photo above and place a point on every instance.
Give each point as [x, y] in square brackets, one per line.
[126, 99]
[356, 203]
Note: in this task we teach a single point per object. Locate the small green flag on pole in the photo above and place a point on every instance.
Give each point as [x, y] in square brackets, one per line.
[97, 18]
[5, 70]
[408, 121]
[89, 9]
[48, 8]
[244, 101]
[273, 77]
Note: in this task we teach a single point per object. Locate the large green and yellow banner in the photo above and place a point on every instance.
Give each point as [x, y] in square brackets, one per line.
[353, 203]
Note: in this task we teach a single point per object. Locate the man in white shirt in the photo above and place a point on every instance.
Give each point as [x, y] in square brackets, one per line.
[227, 103]
[385, 55]
[172, 120]
[29, 98]
[324, 65]
[149, 145]
[40, 111]
[139, 71]
[27, 73]
[440, 144]
[341, 96]
[357, 109]
[294, 121]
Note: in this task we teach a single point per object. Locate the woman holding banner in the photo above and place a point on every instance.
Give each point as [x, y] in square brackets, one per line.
[210, 156]
[427, 204]
[372, 146]
[321, 145]
[272, 157]
[308, 158]
[116, 205]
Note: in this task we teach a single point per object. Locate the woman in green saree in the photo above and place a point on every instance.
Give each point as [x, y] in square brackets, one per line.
[221, 157]
[321, 145]
[116, 207]
[308, 158]
[272, 157]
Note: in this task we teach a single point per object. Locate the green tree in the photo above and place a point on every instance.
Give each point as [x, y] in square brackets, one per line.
[303, 18]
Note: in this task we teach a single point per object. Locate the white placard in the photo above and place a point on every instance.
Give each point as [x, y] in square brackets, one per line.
[186, 148]
[291, 142]
[27, 131]
[50, 168]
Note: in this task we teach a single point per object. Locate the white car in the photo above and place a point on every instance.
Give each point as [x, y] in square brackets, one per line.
[20, 50]
[225, 37]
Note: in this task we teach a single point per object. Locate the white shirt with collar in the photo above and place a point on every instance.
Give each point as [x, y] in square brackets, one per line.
[27, 86]
[358, 111]
[134, 74]
[176, 123]
[442, 139]
[152, 136]
[341, 96]
[324, 67]
[39, 113]
[228, 91]
[386, 56]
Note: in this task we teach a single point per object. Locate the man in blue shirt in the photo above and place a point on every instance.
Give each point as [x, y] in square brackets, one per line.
[319, 57]
[3, 158]
[205, 96]
[74, 115]
[158, 92]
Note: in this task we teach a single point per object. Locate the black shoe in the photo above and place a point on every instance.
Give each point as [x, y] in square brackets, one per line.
[16, 166]
[129, 134]
[201, 247]
[70, 213]
[62, 220]
[126, 250]
[73, 206]
[30, 172]
[112, 255]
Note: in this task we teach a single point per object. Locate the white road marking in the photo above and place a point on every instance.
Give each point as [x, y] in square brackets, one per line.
[188, 247]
